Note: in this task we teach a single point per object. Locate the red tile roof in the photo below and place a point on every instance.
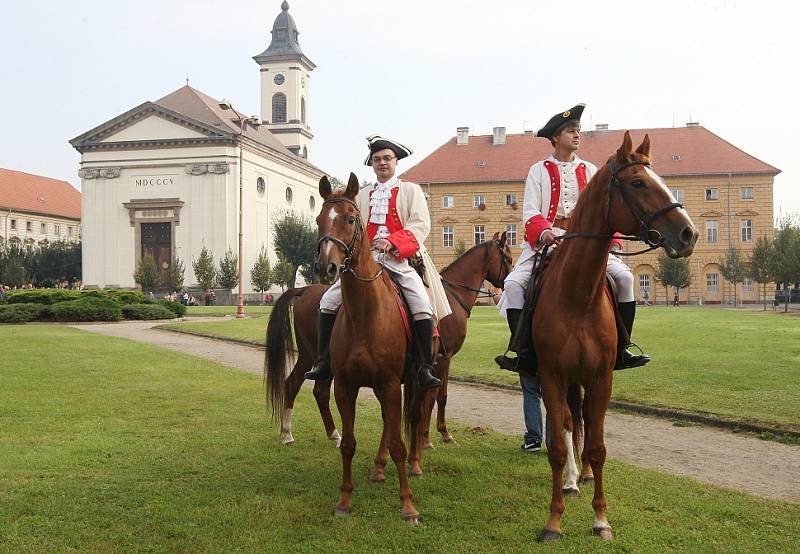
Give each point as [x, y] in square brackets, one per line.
[23, 192]
[698, 152]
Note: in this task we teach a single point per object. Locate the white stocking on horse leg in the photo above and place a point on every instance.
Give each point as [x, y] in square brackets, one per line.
[570, 487]
[286, 428]
[335, 437]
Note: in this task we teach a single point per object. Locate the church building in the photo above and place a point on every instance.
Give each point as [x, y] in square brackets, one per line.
[163, 179]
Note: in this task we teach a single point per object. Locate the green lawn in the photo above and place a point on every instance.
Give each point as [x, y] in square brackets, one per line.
[108, 445]
[737, 364]
[206, 311]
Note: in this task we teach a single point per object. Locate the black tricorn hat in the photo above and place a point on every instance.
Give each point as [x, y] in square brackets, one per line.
[376, 143]
[559, 120]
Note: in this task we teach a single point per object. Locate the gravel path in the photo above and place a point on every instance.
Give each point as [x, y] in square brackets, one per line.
[721, 458]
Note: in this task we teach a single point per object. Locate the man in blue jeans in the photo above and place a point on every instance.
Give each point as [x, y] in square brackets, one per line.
[531, 410]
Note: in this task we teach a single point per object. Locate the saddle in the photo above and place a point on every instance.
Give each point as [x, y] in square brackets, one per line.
[522, 336]
[405, 314]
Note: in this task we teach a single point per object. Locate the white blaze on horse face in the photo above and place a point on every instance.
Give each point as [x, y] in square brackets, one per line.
[332, 215]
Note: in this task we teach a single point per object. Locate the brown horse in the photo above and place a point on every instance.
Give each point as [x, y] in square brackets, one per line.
[368, 344]
[574, 324]
[489, 261]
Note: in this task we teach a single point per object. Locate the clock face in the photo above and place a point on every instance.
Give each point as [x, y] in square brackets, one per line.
[279, 79]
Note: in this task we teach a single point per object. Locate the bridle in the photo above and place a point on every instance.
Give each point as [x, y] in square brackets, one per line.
[349, 249]
[482, 293]
[647, 234]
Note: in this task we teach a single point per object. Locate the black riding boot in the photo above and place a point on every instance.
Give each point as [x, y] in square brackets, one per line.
[524, 354]
[627, 311]
[322, 367]
[423, 344]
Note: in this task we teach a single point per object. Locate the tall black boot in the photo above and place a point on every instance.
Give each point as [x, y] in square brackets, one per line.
[627, 311]
[423, 344]
[523, 346]
[322, 367]
[513, 315]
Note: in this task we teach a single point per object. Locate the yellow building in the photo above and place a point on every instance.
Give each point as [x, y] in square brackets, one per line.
[476, 186]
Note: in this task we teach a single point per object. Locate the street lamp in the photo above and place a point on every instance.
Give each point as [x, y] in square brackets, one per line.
[253, 120]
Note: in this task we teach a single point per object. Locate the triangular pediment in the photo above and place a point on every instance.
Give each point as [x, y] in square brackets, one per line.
[747, 212]
[711, 213]
[510, 219]
[447, 219]
[479, 220]
[148, 123]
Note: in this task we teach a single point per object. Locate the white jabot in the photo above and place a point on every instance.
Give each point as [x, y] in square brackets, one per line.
[569, 186]
[379, 201]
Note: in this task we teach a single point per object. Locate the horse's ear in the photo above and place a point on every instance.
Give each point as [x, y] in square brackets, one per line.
[644, 148]
[496, 236]
[324, 187]
[352, 186]
[625, 150]
[503, 239]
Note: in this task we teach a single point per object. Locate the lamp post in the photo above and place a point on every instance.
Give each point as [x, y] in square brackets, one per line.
[253, 120]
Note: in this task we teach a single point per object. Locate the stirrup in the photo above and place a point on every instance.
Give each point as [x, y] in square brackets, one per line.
[426, 379]
[320, 372]
[509, 364]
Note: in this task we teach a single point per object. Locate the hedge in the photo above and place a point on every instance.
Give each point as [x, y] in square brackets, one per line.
[41, 296]
[121, 296]
[146, 311]
[22, 313]
[88, 308]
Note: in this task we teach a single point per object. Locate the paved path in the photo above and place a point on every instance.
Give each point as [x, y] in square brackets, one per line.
[722, 458]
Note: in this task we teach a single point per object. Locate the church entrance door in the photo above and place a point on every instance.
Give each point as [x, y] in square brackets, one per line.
[157, 242]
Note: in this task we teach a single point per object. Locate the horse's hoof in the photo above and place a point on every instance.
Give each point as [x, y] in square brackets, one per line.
[449, 439]
[288, 443]
[428, 446]
[549, 536]
[375, 480]
[604, 533]
[412, 519]
[588, 480]
[415, 473]
[341, 512]
[571, 491]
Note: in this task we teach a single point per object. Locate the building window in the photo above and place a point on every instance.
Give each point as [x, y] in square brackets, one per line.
[478, 200]
[69, 231]
[43, 228]
[448, 202]
[29, 226]
[712, 194]
[279, 108]
[447, 236]
[747, 230]
[644, 282]
[289, 195]
[747, 193]
[511, 199]
[261, 185]
[57, 229]
[480, 234]
[312, 202]
[747, 285]
[712, 282]
[712, 231]
[678, 194]
[511, 234]
[305, 152]
[303, 111]
[13, 224]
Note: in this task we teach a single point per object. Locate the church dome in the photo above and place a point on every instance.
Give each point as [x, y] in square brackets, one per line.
[284, 37]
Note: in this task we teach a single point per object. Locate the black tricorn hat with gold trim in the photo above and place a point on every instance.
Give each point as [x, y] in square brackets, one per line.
[559, 120]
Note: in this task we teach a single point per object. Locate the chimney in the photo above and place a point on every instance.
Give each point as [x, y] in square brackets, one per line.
[498, 136]
[601, 127]
[693, 124]
[462, 135]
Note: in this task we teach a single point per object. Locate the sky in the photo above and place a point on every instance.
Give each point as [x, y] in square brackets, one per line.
[412, 70]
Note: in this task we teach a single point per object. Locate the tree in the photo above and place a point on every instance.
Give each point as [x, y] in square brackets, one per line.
[283, 275]
[460, 249]
[734, 268]
[785, 256]
[228, 273]
[147, 275]
[261, 274]
[673, 272]
[204, 270]
[176, 274]
[759, 264]
[295, 241]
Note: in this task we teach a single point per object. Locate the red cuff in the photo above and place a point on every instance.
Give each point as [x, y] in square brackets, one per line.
[405, 242]
[534, 227]
[616, 242]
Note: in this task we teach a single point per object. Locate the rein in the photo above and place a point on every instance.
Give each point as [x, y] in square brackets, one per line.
[349, 249]
[650, 236]
[482, 293]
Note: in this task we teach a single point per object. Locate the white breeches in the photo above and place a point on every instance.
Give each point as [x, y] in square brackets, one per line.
[408, 279]
[517, 281]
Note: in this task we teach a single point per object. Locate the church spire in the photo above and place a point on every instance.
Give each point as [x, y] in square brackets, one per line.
[285, 41]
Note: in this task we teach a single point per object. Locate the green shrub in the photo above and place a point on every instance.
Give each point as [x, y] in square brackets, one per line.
[88, 308]
[22, 313]
[175, 307]
[146, 311]
[118, 295]
[42, 296]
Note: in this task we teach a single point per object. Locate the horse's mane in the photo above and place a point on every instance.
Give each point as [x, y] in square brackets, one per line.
[463, 256]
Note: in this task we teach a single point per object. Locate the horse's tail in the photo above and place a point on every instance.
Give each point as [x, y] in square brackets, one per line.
[280, 345]
[575, 403]
[413, 397]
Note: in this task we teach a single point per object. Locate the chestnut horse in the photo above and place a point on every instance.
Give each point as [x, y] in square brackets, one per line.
[488, 261]
[368, 344]
[574, 329]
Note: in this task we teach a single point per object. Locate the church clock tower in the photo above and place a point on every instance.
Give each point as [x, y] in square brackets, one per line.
[284, 86]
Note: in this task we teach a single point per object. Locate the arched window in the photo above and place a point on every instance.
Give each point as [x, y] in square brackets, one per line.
[289, 195]
[305, 152]
[279, 108]
[303, 111]
[312, 202]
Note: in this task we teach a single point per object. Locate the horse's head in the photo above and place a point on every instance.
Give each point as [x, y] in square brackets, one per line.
[500, 260]
[641, 204]
[339, 228]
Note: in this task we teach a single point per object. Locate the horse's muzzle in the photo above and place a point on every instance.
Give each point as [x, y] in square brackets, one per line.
[327, 272]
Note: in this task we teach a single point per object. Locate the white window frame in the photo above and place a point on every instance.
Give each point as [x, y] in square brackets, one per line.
[43, 228]
[511, 234]
[13, 225]
[678, 194]
[511, 198]
[712, 194]
[448, 202]
[479, 231]
[712, 231]
[478, 199]
[746, 230]
[712, 282]
[57, 229]
[747, 285]
[645, 282]
[448, 233]
[746, 193]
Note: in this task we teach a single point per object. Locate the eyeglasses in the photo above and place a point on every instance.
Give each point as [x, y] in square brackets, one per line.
[385, 159]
